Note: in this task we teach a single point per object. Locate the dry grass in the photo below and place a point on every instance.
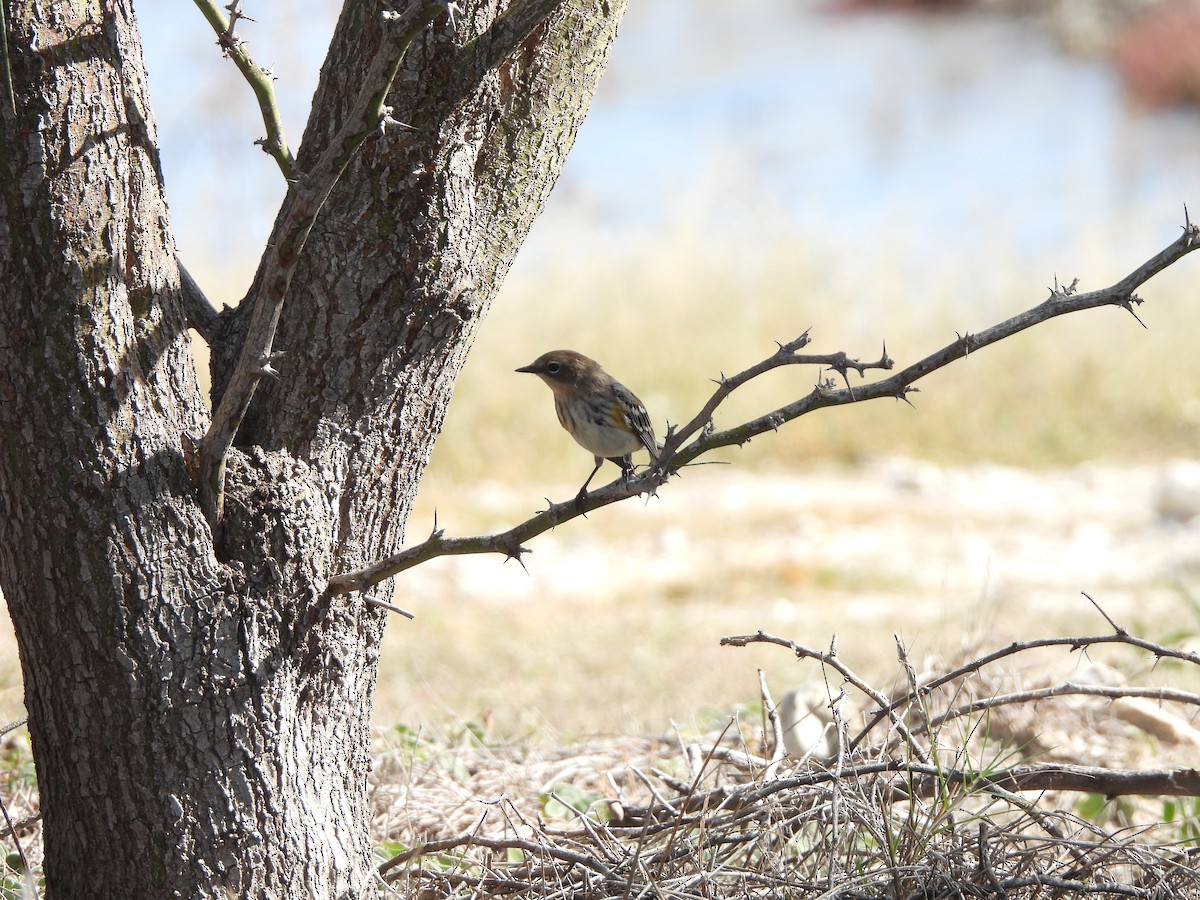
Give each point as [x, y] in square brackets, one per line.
[911, 808]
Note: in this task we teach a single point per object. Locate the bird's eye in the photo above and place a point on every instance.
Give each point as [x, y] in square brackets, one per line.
[553, 368]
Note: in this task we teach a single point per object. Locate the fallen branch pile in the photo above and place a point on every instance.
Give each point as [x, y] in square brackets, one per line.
[960, 785]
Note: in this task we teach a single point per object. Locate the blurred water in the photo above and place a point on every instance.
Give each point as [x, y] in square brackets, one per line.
[940, 137]
[948, 132]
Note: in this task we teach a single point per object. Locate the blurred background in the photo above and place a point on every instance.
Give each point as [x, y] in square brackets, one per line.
[878, 172]
[875, 171]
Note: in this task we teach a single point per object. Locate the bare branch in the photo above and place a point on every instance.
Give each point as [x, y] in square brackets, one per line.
[1066, 689]
[786, 355]
[508, 31]
[1074, 643]
[1030, 777]
[260, 80]
[1060, 302]
[201, 315]
[306, 195]
[509, 543]
[674, 455]
[829, 659]
[468, 840]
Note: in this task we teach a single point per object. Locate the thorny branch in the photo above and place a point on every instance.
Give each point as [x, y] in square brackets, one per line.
[307, 193]
[777, 828]
[196, 307]
[888, 709]
[1120, 636]
[260, 79]
[704, 439]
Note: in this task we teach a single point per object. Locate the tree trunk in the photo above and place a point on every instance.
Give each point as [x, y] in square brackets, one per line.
[199, 709]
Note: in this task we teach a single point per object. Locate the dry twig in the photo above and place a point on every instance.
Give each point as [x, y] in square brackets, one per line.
[877, 824]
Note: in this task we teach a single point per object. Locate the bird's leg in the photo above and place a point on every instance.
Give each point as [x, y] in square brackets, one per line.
[583, 490]
[626, 464]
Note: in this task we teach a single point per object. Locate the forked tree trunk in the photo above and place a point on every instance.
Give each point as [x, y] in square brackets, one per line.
[199, 710]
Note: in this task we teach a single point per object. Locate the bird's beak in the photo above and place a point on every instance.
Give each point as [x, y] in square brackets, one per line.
[529, 368]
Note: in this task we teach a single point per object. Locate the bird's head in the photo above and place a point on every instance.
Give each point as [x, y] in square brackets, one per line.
[564, 369]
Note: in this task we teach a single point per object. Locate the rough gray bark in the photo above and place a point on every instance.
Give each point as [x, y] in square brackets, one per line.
[370, 295]
[199, 708]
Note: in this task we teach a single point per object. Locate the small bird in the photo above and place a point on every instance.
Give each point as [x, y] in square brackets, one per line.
[598, 411]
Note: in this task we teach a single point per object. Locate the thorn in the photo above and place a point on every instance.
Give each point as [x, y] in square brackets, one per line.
[390, 607]
[386, 121]
[966, 342]
[516, 553]
[1128, 303]
[452, 10]
[264, 364]
[437, 533]
[1115, 627]
[1058, 292]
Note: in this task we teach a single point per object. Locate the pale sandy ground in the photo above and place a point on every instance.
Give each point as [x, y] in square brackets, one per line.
[615, 626]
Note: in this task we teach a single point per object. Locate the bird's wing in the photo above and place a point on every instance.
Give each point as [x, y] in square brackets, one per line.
[637, 418]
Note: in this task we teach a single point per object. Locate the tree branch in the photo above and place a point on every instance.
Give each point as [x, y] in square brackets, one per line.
[1075, 644]
[887, 709]
[508, 31]
[201, 315]
[675, 456]
[1066, 689]
[932, 779]
[261, 81]
[304, 199]
[1060, 302]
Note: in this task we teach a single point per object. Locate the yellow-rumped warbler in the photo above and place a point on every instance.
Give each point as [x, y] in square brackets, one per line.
[598, 411]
